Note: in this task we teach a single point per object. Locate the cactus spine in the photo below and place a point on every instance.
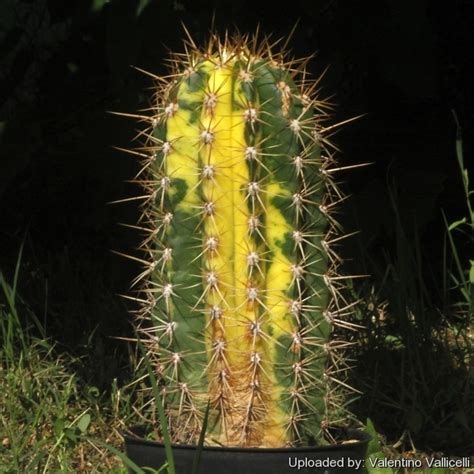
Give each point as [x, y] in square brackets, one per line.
[240, 299]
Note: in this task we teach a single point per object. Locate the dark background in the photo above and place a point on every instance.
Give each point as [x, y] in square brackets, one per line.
[404, 63]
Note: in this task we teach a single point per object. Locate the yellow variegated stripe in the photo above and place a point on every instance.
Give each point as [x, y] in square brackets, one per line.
[228, 225]
[183, 135]
[228, 192]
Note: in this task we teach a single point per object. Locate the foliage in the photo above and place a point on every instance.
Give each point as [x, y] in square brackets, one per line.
[463, 277]
[428, 340]
[45, 410]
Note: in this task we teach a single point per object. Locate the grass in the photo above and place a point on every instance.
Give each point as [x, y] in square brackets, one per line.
[415, 355]
[44, 410]
[414, 363]
[161, 413]
[51, 421]
[463, 274]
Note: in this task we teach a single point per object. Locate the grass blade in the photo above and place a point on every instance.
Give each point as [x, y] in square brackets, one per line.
[161, 412]
[123, 457]
[17, 268]
[200, 445]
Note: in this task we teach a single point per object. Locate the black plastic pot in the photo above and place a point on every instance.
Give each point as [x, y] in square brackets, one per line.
[346, 457]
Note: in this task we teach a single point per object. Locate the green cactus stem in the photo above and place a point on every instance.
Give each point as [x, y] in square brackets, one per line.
[239, 288]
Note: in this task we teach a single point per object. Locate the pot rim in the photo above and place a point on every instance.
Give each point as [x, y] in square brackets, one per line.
[360, 436]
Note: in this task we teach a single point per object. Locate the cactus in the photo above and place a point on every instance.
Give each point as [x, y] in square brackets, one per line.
[240, 300]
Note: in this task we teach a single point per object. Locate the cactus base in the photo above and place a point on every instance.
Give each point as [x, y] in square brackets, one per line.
[341, 458]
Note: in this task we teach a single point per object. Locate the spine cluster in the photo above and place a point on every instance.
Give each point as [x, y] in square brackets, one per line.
[239, 291]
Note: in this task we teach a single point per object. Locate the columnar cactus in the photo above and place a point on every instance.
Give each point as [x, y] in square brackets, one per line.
[239, 291]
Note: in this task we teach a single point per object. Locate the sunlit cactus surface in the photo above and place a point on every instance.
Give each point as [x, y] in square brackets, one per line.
[240, 299]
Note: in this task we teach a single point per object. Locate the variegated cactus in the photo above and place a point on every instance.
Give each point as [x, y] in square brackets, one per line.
[240, 298]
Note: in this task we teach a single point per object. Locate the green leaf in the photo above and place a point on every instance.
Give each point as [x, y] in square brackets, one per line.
[93, 392]
[58, 427]
[395, 340]
[457, 224]
[374, 443]
[84, 423]
[142, 4]
[459, 151]
[471, 272]
[70, 434]
[97, 5]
